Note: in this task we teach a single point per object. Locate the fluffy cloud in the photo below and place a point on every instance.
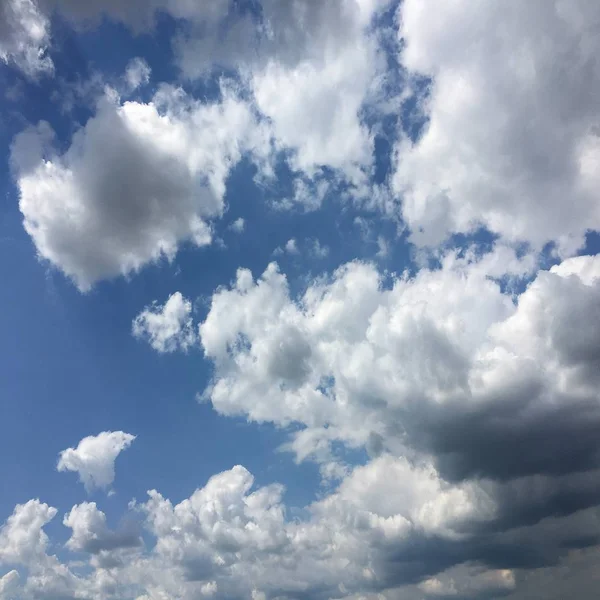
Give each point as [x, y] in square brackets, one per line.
[238, 225]
[311, 69]
[137, 181]
[91, 534]
[25, 37]
[168, 327]
[8, 582]
[478, 408]
[319, 66]
[443, 363]
[241, 538]
[310, 66]
[137, 73]
[94, 458]
[22, 540]
[469, 387]
[314, 105]
[511, 141]
[391, 527]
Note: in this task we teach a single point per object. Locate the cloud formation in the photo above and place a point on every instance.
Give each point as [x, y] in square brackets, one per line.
[443, 362]
[391, 528]
[25, 37]
[137, 181]
[511, 140]
[169, 327]
[453, 409]
[91, 534]
[94, 458]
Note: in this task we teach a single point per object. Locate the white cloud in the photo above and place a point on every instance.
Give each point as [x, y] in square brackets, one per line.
[137, 181]
[8, 583]
[167, 327]
[319, 250]
[348, 360]
[25, 37]
[137, 73]
[241, 538]
[94, 458]
[319, 65]
[22, 540]
[469, 583]
[472, 386]
[512, 136]
[311, 68]
[390, 524]
[291, 247]
[91, 534]
[383, 247]
[238, 225]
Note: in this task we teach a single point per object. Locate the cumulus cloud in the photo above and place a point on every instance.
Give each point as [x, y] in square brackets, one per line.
[25, 37]
[168, 327]
[469, 388]
[137, 181]
[238, 225]
[91, 534]
[442, 363]
[320, 67]
[310, 67]
[22, 540]
[8, 583]
[391, 527]
[511, 141]
[94, 458]
[137, 73]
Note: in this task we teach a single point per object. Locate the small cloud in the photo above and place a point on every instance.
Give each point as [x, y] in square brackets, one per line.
[137, 73]
[167, 327]
[291, 247]
[383, 247]
[238, 225]
[94, 458]
[363, 226]
[319, 251]
[91, 534]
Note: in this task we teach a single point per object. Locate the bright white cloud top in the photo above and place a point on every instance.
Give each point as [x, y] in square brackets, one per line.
[423, 356]
[524, 114]
[94, 458]
[169, 327]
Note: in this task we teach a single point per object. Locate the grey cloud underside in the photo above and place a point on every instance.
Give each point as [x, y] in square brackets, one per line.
[541, 417]
[444, 366]
[136, 182]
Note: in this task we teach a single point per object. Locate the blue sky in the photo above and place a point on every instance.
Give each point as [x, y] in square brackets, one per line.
[323, 275]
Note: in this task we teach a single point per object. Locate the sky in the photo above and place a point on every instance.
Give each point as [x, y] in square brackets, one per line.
[300, 300]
